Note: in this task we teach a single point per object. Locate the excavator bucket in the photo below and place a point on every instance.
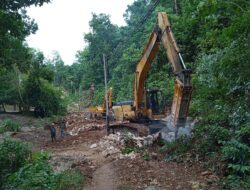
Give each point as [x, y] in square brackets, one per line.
[180, 105]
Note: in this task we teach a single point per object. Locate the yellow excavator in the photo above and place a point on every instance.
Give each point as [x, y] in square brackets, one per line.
[100, 111]
[146, 102]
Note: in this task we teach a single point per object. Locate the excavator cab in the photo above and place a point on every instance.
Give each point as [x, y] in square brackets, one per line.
[155, 101]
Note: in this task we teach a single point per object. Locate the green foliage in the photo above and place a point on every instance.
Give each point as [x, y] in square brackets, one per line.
[13, 155]
[209, 138]
[235, 183]
[15, 26]
[39, 92]
[9, 125]
[238, 156]
[40, 156]
[17, 59]
[34, 175]
[216, 40]
[19, 169]
[38, 174]
[130, 145]
[128, 150]
[44, 96]
[8, 87]
[176, 150]
[146, 156]
[69, 180]
[126, 187]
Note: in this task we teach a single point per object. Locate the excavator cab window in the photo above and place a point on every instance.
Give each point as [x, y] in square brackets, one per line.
[155, 101]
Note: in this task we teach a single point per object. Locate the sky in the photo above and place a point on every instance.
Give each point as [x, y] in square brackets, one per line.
[62, 23]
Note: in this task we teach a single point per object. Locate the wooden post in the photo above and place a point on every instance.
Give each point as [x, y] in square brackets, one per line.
[106, 98]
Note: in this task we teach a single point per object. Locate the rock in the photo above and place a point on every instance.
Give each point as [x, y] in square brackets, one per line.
[154, 182]
[148, 140]
[139, 144]
[93, 146]
[111, 148]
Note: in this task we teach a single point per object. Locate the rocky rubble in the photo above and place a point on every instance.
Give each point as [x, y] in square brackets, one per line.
[113, 144]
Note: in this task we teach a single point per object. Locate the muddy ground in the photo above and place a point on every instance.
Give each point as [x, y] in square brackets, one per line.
[87, 147]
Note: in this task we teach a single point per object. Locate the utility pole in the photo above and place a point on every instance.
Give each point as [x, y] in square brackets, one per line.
[79, 97]
[106, 97]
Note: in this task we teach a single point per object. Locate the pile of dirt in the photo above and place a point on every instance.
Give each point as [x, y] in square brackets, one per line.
[70, 142]
[77, 122]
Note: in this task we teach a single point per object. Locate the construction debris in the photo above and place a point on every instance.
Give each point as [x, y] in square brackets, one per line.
[113, 144]
[80, 121]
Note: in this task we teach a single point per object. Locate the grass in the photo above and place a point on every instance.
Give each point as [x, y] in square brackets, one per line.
[9, 125]
[70, 180]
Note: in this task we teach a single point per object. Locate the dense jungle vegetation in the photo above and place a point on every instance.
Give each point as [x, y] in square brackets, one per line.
[214, 38]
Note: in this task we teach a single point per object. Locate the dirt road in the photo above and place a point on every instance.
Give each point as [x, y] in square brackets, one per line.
[100, 160]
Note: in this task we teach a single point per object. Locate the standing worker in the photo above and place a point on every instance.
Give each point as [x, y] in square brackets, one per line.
[62, 127]
[53, 132]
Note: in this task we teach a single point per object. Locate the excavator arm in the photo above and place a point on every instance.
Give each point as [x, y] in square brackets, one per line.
[183, 88]
[142, 69]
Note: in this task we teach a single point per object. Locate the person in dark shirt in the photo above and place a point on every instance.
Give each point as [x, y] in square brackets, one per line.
[53, 132]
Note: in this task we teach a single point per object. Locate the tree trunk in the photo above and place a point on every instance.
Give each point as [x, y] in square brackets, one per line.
[176, 7]
[3, 107]
[18, 83]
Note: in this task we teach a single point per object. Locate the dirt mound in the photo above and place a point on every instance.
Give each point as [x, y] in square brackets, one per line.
[80, 121]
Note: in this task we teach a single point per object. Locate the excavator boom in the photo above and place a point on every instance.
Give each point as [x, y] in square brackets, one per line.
[143, 67]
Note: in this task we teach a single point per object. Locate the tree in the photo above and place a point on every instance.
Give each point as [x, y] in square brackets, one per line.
[15, 26]
[39, 91]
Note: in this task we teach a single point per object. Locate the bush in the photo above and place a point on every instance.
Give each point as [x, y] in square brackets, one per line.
[33, 176]
[13, 155]
[209, 138]
[38, 174]
[9, 125]
[176, 149]
[46, 98]
[21, 170]
[237, 155]
[236, 183]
